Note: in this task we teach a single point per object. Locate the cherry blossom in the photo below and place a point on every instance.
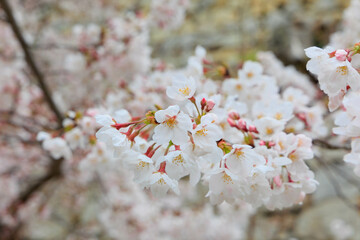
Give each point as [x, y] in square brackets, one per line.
[174, 126]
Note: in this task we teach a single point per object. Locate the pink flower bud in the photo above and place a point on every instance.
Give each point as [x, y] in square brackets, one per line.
[234, 115]
[231, 122]
[242, 125]
[209, 105]
[203, 103]
[253, 129]
[262, 143]
[341, 54]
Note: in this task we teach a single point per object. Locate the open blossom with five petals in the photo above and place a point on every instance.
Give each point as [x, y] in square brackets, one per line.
[250, 71]
[336, 75]
[242, 159]
[207, 132]
[57, 148]
[75, 138]
[349, 121]
[318, 57]
[107, 133]
[174, 126]
[112, 137]
[160, 183]
[182, 88]
[268, 127]
[142, 166]
[180, 164]
[223, 186]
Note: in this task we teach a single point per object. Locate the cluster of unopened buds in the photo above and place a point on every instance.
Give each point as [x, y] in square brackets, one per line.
[240, 153]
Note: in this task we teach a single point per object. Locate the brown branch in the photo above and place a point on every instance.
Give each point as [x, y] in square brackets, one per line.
[324, 144]
[9, 232]
[54, 170]
[53, 173]
[250, 234]
[337, 188]
[30, 60]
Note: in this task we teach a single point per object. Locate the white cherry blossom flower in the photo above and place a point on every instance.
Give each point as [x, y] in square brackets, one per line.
[318, 58]
[296, 96]
[182, 87]
[251, 71]
[207, 132]
[268, 127]
[335, 76]
[223, 186]
[57, 148]
[242, 160]
[75, 138]
[160, 183]
[179, 164]
[142, 167]
[112, 137]
[174, 125]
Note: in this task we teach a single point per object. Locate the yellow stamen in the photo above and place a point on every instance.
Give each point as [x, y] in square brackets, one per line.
[293, 157]
[202, 132]
[343, 70]
[226, 178]
[171, 122]
[278, 116]
[282, 147]
[185, 90]
[161, 181]
[239, 87]
[178, 160]
[142, 164]
[269, 131]
[250, 74]
[238, 152]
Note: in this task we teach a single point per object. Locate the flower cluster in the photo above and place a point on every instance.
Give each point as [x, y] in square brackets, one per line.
[134, 123]
[338, 75]
[230, 135]
[168, 14]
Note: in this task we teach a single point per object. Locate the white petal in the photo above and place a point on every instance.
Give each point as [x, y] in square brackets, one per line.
[104, 120]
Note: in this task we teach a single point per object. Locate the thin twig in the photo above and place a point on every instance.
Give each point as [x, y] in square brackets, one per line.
[324, 144]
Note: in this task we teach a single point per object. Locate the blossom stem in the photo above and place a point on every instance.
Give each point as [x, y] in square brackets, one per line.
[168, 147]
